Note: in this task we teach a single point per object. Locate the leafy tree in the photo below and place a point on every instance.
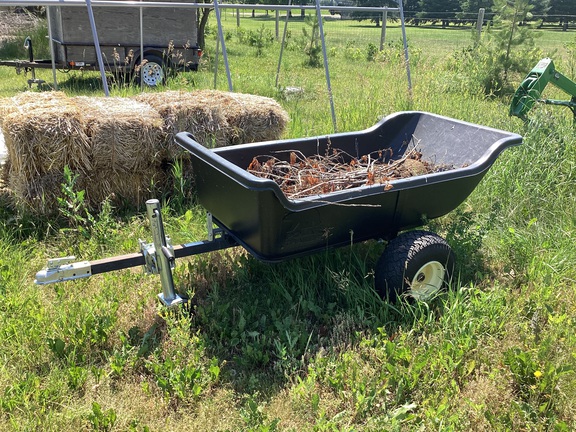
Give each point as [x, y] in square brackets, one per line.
[509, 16]
[411, 9]
[203, 14]
[439, 10]
[410, 6]
[560, 10]
[473, 6]
[312, 47]
[373, 16]
[540, 7]
[563, 7]
[470, 8]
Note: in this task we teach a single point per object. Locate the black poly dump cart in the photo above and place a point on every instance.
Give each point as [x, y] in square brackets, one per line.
[254, 213]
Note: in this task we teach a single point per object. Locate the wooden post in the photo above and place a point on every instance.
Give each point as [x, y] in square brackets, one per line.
[383, 33]
[277, 22]
[480, 21]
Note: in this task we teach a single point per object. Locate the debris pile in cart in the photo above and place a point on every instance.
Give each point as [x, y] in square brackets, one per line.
[302, 176]
[120, 148]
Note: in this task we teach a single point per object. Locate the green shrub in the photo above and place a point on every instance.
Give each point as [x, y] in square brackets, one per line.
[505, 49]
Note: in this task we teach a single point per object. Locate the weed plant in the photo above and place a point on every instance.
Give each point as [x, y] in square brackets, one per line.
[307, 344]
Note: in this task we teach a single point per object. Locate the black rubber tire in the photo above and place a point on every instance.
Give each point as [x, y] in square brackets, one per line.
[404, 261]
[155, 67]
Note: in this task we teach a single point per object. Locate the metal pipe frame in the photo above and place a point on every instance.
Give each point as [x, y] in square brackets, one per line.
[146, 4]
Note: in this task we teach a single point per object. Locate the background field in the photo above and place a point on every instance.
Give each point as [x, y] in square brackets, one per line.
[307, 344]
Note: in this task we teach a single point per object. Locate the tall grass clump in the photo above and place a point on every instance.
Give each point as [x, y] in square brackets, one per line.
[38, 33]
[523, 230]
[533, 205]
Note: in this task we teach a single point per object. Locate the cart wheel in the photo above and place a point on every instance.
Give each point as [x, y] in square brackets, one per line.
[152, 71]
[416, 264]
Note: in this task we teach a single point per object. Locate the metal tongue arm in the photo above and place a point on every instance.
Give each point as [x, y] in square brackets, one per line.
[157, 258]
[63, 269]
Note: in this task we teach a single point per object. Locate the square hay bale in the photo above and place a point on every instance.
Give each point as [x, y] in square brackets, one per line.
[121, 148]
[184, 112]
[124, 134]
[37, 194]
[44, 135]
[250, 118]
[128, 190]
[27, 101]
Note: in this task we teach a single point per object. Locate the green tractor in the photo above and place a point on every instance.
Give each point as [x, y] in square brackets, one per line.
[533, 85]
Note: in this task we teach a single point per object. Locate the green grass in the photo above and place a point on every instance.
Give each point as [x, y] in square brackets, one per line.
[307, 344]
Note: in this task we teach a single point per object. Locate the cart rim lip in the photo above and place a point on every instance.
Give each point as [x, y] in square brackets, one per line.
[252, 182]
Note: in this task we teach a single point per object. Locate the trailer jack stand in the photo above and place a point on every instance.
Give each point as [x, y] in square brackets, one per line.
[157, 258]
[160, 255]
[33, 80]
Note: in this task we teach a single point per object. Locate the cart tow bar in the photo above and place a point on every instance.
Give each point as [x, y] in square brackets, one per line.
[157, 258]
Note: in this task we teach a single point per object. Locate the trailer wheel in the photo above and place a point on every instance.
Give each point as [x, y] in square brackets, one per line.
[152, 71]
[416, 264]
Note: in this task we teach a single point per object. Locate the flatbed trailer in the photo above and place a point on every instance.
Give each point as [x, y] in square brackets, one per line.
[141, 45]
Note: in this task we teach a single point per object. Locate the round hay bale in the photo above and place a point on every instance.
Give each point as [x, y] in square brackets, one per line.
[124, 134]
[184, 112]
[250, 118]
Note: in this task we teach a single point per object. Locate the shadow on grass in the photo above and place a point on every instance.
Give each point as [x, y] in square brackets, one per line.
[82, 83]
[266, 322]
[91, 82]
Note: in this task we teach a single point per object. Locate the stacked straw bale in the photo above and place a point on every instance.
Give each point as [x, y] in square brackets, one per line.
[124, 136]
[29, 101]
[120, 147]
[43, 132]
[216, 118]
[185, 112]
[249, 118]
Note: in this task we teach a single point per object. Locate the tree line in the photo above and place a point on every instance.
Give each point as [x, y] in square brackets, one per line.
[463, 11]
